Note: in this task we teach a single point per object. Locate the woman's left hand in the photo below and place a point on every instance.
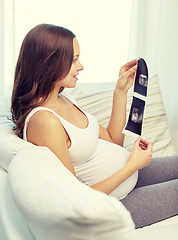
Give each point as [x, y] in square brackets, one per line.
[126, 76]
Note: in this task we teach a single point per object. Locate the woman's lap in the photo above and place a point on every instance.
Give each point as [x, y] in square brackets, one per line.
[160, 170]
[155, 196]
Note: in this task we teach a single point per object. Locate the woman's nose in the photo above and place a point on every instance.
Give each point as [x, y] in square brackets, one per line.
[80, 68]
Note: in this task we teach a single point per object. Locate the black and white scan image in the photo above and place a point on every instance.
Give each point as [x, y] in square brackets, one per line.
[141, 78]
[135, 119]
[136, 116]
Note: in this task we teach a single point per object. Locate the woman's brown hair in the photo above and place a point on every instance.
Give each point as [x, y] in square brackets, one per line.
[45, 57]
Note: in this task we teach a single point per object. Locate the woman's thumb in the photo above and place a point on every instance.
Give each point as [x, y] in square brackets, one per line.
[137, 141]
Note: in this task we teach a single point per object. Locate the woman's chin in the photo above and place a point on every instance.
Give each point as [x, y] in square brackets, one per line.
[72, 85]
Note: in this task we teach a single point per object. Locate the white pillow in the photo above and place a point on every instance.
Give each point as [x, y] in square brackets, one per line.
[57, 206]
[10, 143]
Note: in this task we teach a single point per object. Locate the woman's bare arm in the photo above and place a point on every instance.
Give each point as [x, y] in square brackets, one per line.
[45, 129]
[113, 133]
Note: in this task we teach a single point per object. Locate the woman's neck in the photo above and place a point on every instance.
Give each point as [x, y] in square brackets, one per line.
[53, 99]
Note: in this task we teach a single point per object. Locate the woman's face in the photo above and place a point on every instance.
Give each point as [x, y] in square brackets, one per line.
[70, 80]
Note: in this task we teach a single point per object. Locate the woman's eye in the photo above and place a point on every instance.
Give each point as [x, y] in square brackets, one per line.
[75, 60]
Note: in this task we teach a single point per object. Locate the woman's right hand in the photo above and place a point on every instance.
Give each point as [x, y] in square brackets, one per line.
[141, 154]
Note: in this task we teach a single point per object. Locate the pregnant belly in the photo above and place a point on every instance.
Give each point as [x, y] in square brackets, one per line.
[107, 159]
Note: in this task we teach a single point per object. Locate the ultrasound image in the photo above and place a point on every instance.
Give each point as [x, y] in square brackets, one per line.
[135, 120]
[141, 78]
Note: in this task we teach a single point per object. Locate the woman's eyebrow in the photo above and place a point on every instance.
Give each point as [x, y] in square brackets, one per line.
[77, 55]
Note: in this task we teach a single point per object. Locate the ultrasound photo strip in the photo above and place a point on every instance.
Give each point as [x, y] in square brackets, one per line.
[135, 120]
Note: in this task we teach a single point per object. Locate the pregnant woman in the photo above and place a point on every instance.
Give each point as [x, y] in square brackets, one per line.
[46, 116]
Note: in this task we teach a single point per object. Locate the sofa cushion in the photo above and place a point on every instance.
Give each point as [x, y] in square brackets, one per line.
[56, 205]
[10, 143]
[169, 231]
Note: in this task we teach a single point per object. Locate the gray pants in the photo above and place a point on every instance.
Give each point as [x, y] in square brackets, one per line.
[155, 196]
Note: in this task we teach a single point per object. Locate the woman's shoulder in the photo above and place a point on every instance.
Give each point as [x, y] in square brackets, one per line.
[43, 118]
[42, 124]
[45, 129]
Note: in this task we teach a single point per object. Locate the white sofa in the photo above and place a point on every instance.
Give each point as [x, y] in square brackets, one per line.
[40, 199]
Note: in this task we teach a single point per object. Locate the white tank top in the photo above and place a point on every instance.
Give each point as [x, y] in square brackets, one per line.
[83, 140]
[93, 159]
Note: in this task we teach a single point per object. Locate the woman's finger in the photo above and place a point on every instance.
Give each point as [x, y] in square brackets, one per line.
[127, 66]
[144, 141]
[147, 143]
[130, 64]
[130, 72]
[143, 146]
[137, 141]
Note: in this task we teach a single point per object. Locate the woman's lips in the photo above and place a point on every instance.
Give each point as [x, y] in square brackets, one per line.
[75, 76]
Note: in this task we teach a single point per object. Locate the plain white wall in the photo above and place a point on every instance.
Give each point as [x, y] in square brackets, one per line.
[9, 43]
[168, 64]
[102, 28]
[1, 47]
